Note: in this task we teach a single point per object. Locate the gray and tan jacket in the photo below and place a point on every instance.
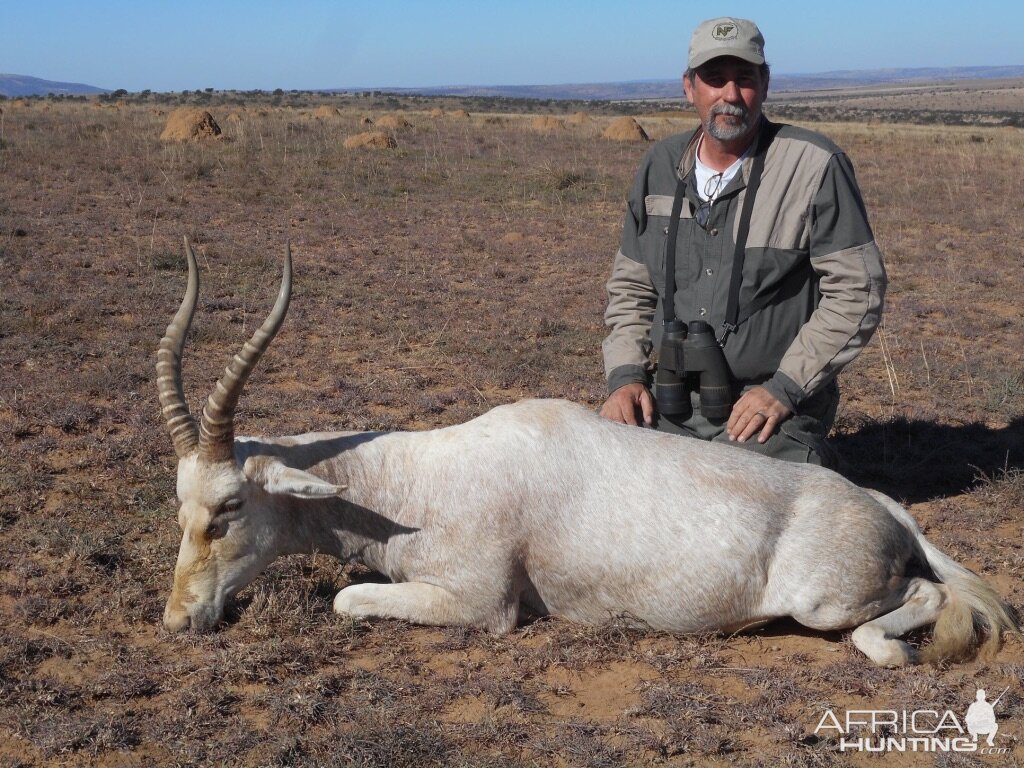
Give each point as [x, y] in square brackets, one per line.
[813, 279]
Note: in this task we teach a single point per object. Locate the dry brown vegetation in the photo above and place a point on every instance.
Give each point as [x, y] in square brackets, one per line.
[546, 123]
[462, 270]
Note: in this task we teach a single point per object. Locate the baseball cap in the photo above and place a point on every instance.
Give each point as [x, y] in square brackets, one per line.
[726, 37]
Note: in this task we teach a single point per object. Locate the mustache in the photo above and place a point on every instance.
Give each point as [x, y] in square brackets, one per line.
[730, 109]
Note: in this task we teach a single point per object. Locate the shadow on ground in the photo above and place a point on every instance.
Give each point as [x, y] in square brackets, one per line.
[915, 460]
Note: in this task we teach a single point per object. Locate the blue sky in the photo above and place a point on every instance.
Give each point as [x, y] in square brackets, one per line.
[307, 44]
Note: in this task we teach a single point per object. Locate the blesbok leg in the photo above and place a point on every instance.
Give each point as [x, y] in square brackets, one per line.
[879, 639]
[422, 603]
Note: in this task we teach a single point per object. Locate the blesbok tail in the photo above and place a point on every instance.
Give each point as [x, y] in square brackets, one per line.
[972, 605]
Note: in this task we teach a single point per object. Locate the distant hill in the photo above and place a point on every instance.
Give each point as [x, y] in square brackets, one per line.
[671, 88]
[13, 86]
[860, 77]
[635, 89]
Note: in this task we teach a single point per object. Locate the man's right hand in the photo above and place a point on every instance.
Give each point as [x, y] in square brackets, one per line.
[627, 402]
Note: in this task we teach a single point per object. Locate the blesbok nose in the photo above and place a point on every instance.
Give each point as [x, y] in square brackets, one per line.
[176, 619]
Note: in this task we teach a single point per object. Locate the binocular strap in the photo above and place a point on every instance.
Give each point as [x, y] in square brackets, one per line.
[732, 318]
[668, 304]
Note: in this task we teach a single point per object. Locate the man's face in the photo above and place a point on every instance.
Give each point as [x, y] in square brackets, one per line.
[727, 93]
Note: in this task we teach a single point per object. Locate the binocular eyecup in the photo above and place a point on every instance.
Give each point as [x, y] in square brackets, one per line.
[691, 358]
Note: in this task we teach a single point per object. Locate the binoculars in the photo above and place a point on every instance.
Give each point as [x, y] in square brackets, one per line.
[691, 358]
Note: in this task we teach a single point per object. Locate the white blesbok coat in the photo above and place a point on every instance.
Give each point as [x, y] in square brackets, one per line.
[546, 504]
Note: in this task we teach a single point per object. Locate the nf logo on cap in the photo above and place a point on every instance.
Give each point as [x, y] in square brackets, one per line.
[726, 37]
[724, 32]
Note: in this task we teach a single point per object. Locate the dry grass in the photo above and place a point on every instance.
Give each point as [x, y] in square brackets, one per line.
[461, 270]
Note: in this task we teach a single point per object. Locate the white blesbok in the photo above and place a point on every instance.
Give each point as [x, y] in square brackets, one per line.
[546, 504]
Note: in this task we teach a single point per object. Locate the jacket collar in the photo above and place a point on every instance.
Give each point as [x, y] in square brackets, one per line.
[689, 159]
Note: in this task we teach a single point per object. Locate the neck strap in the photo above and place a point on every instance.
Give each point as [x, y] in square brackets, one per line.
[732, 309]
[668, 304]
[767, 133]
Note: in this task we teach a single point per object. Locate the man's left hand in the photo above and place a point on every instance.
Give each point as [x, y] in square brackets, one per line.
[756, 412]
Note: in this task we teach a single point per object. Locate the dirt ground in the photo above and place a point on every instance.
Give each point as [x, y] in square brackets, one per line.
[459, 271]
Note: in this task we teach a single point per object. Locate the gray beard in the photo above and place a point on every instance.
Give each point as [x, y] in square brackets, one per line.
[729, 132]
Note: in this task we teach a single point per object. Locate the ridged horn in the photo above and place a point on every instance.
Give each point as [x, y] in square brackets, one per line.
[216, 428]
[184, 432]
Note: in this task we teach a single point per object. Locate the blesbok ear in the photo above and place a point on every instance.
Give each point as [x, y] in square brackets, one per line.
[276, 477]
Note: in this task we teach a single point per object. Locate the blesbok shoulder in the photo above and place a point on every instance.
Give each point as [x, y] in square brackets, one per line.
[546, 504]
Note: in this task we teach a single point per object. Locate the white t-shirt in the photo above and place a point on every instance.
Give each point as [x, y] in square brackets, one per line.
[710, 182]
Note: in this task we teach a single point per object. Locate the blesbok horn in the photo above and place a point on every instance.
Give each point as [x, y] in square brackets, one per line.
[184, 432]
[216, 428]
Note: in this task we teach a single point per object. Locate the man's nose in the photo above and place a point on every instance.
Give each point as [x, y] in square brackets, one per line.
[731, 91]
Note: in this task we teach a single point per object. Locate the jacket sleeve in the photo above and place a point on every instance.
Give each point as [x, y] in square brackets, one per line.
[631, 305]
[632, 297]
[852, 283]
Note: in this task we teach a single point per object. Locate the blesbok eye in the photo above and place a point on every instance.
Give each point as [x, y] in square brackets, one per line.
[231, 505]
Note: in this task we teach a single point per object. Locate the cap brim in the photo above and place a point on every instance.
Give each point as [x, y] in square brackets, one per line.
[704, 58]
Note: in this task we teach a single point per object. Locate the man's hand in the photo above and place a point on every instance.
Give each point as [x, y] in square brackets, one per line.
[757, 411]
[625, 402]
